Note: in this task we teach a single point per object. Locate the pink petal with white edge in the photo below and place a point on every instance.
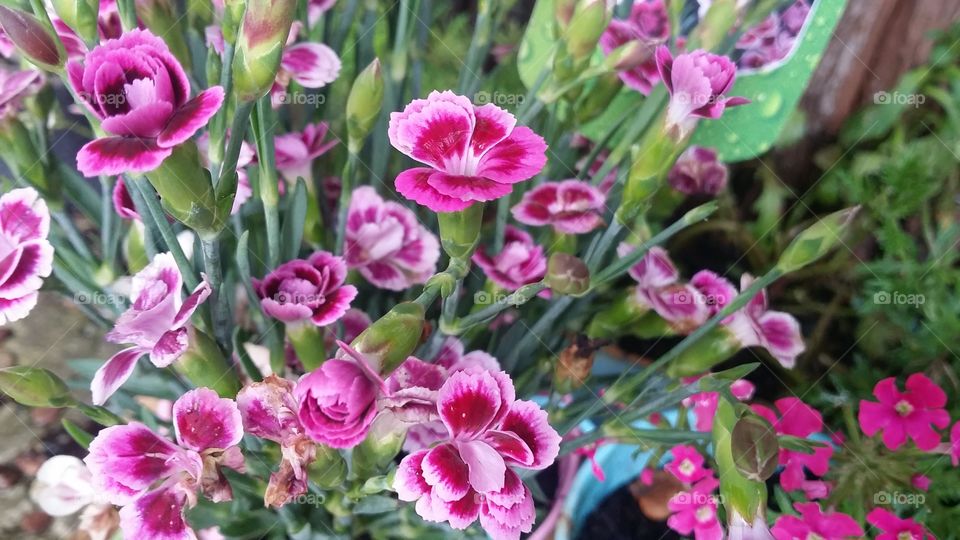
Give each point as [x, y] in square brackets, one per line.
[504, 520]
[158, 515]
[269, 409]
[143, 122]
[517, 158]
[408, 482]
[493, 125]
[781, 336]
[192, 116]
[436, 132]
[119, 155]
[192, 302]
[203, 420]
[473, 188]
[403, 124]
[509, 445]
[27, 268]
[335, 306]
[470, 403]
[169, 347]
[485, 465]
[113, 373]
[16, 309]
[127, 459]
[446, 473]
[24, 215]
[459, 514]
[313, 65]
[413, 184]
[529, 422]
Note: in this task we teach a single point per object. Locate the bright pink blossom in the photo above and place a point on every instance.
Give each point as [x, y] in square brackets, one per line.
[814, 523]
[141, 95]
[921, 481]
[473, 154]
[295, 151]
[648, 25]
[156, 324]
[570, 206]
[469, 475]
[520, 263]
[698, 172]
[687, 465]
[695, 511]
[776, 331]
[912, 414]
[154, 480]
[307, 290]
[659, 288]
[386, 243]
[894, 528]
[26, 256]
[798, 420]
[698, 83]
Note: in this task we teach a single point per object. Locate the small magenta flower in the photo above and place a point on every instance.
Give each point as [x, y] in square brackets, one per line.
[570, 206]
[698, 83]
[520, 263]
[659, 288]
[156, 324]
[797, 419]
[296, 151]
[814, 523]
[123, 202]
[141, 95]
[900, 415]
[697, 172]
[26, 256]
[154, 480]
[474, 154]
[695, 511]
[302, 290]
[386, 244]
[687, 465]
[775, 331]
[469, 475]
[894, 528]
[649, 26]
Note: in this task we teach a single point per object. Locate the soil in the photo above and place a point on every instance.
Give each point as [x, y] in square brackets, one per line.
[619, 518]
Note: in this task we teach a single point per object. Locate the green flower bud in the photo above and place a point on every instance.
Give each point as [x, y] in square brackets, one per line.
[307, 341]
[590, 19]
[817, 240]
[563, 12]
[263, 33]
[740, 495]
[35, 387]
[329, 469]
[755, 447]
[204, 365]
[187, 193]
[363, 104]
[651, 162]
[567, 275]
[35, 39]
[392, 338]
[376, 452]
[81, 15]
[716, 346]
[160, 17]
[460, 231]
[134, 248]
[615, 320]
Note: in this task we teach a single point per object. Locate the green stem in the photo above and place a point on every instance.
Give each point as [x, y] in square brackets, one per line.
[346, 190]
[269, 193]
[518, 298]
[161, 225]
[73, 235]
[479, 44]
[648, 111]
[220, 308]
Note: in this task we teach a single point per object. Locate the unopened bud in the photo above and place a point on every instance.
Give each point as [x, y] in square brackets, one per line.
[567, 275]
[740, 494]
[616, 319]
[817, 240]
[563, 12]
[460, 231]
[35, 387]
[328, 469]
[376, 452]
[590, 19]
[35, 40]
[204, 365]
[187, 192]
[260, 41]
[714, 347]
[651, 162]
[755, 447]
[392, 338]
[363, 104]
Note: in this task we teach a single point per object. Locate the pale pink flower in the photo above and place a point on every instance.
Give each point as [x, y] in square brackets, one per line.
[26, 256]
[894, 528]
[296, 151]
[64, 486]
[310, 64]
[571, 207]
[316, 8]
[307, 290]
[520, 263]
[814, 523]
[797, 419]
[649, 26]
[474, 154]
[659, 288]
[698, 172]
[156, 324]
[14, 86]
[386, 243]
[900, 415]
[775, 331]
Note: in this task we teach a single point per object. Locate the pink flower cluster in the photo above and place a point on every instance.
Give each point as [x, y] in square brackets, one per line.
[571, 207]
[694, 509]
[773, 39]
[307, 290]
[519, 263]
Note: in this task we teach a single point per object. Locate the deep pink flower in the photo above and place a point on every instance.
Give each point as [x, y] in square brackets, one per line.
[474, 154]
[570, 206]
[695, 511]
[312, 289]
[296, 151]
[469, 475]
[894, 528]
[698, 83]
[921, 481]
[123, 202]
[154, 480]
[697, 172]
[26, 256]
[659, 288]
[742, 389]
[814, 523]
[521, 261]
[687, 465]
[14, 86]
[140, 93]
[649, 25]
[798, 420]
[654, 270]
[156, 324]
[912, 414]
[386, 243]
[775, 331]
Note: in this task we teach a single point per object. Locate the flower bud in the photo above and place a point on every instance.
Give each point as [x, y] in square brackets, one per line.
[35, 40]
[741, 495]
[616, 319]
[755, 447]
[816, 240]
[187, 192]
[35, 387]
[204, 365]
[589, 20]
[376, 452]
[307, 341]
[563, 12]
[263, 34]
[81, 15]
[160, 17]
[460, 231]
[363, 104]
[392, 338]
[329, 469]
[651, 163]
[567, 275]
[716, 346]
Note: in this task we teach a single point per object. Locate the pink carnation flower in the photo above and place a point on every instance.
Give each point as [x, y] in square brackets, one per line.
[155, 480]
[687, 465]
[659, 288]
[141, 95]
[469, 475]
[26, 256]
[798, 420]
[307, 290]
[697, 172]
[695, 511]
[894, 528]
[310, 64]
[814, 523]
[570, 206]
[912, 414]
[698, 83]
[296, 151]
[521, 261]
[776, 331]
[649, 25]
[156, 324]
[386, 243]
[474, 154]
